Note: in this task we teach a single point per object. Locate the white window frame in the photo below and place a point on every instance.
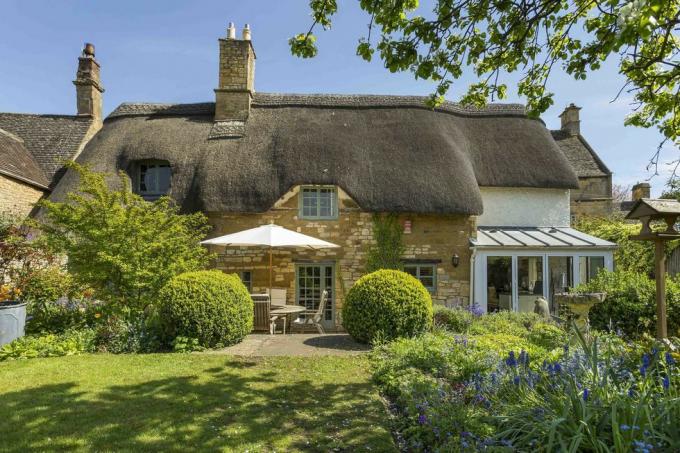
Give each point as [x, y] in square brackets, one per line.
[318, 189]
[479, 292]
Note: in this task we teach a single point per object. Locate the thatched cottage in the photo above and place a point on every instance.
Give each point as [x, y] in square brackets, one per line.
[483, 195]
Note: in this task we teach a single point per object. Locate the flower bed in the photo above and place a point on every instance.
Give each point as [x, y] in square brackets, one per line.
[518, 389]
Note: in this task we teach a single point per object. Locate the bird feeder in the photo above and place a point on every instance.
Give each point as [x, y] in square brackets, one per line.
[647, 211]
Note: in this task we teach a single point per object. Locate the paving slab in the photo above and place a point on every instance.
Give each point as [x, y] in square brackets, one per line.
[263, 345]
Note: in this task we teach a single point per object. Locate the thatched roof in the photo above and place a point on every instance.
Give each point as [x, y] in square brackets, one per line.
[51, 139]
[390, 153]
[580, 154]
[18, 163]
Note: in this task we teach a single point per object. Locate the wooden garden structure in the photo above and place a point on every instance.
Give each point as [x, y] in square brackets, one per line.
[647, 211]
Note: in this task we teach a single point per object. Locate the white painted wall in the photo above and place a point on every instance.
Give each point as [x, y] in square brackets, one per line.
[513, 206]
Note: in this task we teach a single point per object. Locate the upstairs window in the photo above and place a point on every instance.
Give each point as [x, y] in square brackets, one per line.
[151, 178]
[318, 203]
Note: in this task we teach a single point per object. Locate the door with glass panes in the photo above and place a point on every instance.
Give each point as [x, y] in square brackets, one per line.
[312, 280]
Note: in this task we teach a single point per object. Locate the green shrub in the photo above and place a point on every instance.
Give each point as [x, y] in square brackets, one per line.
[507, 322]
[387, 304]
[210, 306]
[452, 319]
[630, 306]
[70, 342]
[119, 335]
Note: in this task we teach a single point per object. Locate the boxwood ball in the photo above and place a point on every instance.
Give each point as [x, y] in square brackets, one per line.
[211, 306]
[387, 304]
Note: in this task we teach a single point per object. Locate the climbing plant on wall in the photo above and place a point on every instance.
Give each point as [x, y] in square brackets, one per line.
[387, 251]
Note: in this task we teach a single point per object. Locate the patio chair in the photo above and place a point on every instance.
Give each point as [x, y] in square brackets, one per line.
[312, 318]
[263, 317]
[278, 295]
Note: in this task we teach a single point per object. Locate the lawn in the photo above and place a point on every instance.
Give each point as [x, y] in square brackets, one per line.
[176, 402]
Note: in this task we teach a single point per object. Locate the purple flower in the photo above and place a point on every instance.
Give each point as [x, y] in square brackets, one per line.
[586, 393]
[666, 382]
[516, 380]
[624, 428]
[645, 360]
[476, 309]
[631, 392]
[422, 419]
[643, 370]
[511, 360]
[558, 368]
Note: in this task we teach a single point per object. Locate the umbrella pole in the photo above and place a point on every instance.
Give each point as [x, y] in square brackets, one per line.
[271, 269]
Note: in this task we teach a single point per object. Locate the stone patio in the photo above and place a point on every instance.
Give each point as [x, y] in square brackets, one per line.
[262, 345]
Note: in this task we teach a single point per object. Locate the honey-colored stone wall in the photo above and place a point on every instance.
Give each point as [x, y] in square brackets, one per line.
[432, 237]
[17, 197]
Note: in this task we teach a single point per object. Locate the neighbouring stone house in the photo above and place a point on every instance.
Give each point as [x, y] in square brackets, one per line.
[593, 197]
[34, 147]
[482, 194]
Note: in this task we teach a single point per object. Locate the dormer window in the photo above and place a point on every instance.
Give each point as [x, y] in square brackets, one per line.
[318, 203]
[151, 178]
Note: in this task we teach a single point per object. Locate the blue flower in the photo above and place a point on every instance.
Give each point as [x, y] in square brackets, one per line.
[666, 382]
[624, 428]
[516, 380]
[511, 360]
[422, 419]
[643, 370]
[642, 447]
[558, 368]
[586, 393]
[669, 359]
[631, 392]
[645, 360]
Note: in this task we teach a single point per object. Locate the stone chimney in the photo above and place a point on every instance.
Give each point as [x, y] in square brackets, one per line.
[88, 85]
[237, 76]
[641, 190]
[571, 122]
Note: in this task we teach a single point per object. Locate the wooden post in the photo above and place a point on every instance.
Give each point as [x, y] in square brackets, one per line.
[660, 277]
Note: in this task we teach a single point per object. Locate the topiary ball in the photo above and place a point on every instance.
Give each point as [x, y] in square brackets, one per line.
[210, 306]
[387, 304]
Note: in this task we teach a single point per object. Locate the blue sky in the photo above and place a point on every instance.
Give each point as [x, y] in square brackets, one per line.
[166, 51]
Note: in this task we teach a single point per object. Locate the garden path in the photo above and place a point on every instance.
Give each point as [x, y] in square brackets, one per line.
[264, 345]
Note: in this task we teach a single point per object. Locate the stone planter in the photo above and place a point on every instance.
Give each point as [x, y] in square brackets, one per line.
[579, 305]
[12, 321]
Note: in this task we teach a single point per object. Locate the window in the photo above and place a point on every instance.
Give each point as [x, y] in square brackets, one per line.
[426, 273]
[529, 282]
[152, 178]
[499, 283]
[589, 266]
[247, 279]
[318, 203]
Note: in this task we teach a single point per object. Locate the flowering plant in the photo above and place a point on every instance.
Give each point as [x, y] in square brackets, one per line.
[9, 293]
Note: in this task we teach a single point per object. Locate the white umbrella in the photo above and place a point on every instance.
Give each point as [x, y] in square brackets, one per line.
[270, 236]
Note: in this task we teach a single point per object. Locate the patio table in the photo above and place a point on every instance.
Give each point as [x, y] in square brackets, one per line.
[287, 310]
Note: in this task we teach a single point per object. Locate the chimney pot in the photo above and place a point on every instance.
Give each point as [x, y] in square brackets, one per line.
[231, 31]
[246, 33]
[88, 50]
[570, 120]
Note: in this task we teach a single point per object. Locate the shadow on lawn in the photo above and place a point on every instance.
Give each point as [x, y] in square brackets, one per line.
[221, 410]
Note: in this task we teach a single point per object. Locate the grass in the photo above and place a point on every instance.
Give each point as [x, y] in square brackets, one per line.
[180, 402]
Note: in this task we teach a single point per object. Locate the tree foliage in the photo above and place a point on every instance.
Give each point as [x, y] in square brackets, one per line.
[120, 245]
[494, 38]
[629, 256]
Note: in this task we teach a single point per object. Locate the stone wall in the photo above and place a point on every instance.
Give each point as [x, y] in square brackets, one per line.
[593, 198]
[17, 197]
[236, 79]
[432, 237]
